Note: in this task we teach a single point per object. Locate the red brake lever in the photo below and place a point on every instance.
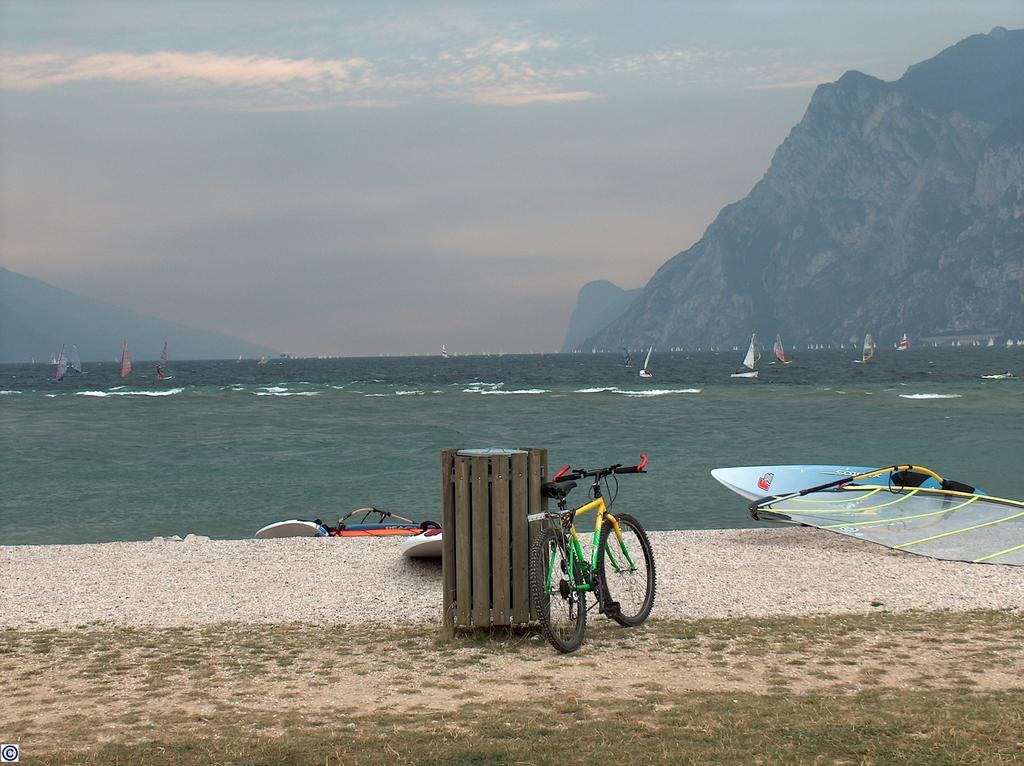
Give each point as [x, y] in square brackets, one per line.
[643, 463]
[563, 472]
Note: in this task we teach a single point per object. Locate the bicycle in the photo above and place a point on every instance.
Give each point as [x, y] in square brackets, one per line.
[561, 576]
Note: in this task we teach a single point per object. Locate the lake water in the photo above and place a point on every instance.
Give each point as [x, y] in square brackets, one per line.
[225, 447]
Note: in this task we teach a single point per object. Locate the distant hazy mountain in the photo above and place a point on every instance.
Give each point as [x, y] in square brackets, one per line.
[891, 207]
[35, 318]
[598, 304]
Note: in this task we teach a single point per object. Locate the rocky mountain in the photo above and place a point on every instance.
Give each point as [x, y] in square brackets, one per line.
[597, 304]
[36, 318]
[891, 207]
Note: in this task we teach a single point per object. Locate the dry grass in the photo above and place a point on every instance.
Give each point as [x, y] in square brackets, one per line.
[881, 688]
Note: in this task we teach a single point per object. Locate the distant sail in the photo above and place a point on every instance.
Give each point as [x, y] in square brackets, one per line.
[869, 349]
[753, 353]
[627, 360]
[76, 361]
[161, 367]
[780, 351]
[646, 371]
[444, 351]
[62, 364]
[126, 362]
[904, 343]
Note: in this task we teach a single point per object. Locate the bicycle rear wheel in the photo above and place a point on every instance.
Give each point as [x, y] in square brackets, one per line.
[561, 609]
[627, 592]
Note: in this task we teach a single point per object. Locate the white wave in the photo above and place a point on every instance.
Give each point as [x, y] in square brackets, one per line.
[287, 393]
[51, 396]
[509, 393]
[659, 392]
[9, 392]
[112, 392]
[358, 392]
[409, 393]
[931, 396]
[274, 389]
[481, 384]
[594, 390]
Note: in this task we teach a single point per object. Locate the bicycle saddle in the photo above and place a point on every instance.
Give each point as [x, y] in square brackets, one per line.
[556, 489]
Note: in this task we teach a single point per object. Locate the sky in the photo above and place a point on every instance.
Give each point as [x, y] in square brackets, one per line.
[365, 178]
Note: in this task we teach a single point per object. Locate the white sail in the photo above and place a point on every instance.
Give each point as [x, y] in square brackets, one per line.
[76, 360]
[645, 372]
[753, 354]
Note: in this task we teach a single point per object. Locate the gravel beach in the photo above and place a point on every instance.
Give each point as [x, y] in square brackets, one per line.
[720, 573]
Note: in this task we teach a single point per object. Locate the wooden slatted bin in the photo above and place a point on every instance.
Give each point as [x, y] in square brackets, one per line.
[486, 496]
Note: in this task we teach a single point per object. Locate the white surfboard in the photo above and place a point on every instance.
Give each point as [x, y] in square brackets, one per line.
[757, 481]
[426, 545]
[291, 528]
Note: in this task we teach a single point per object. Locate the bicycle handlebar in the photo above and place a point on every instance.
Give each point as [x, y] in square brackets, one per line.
[568, 473]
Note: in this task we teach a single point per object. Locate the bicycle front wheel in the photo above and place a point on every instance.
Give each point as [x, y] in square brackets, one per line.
[627, 581]
[560, 607]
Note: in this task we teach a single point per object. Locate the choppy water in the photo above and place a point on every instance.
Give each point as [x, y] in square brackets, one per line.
[225, 447]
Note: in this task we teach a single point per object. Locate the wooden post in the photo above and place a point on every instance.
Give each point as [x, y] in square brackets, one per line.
[463, 544]
[448, 543]
[481, 521]
[501, 581]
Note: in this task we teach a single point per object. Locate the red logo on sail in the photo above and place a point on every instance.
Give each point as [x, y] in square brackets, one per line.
[764, 482]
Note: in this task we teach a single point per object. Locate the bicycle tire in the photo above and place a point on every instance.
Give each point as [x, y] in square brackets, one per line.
[562, 610]
[624, 585]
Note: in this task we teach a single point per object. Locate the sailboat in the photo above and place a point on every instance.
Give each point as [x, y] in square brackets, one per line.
[444, 351]
[904, 343]
[76, 360]
[868, 352]
[780, 351]
[161, 366]
[627, 360]
[262, 362]
[749, 361]
[62, 364]
[126, 362]
[645, 372]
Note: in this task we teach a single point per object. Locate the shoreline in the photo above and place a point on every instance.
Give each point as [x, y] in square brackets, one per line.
[324, 581]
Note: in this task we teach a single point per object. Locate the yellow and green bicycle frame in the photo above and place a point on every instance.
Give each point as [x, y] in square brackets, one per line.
[577, 559]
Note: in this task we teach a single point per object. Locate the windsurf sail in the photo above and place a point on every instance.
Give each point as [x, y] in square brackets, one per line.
[61, 363]
[161, 367]
[126, 362]
[627, 360]
[780, 351]
[869, 349]
[904, 343]
[76, 361]
[908, 508]
[444, 351]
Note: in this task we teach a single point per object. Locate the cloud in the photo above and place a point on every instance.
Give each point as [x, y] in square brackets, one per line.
[181, 70]
[498, 70]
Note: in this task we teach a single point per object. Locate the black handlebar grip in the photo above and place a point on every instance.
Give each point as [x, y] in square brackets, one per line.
[628, 469]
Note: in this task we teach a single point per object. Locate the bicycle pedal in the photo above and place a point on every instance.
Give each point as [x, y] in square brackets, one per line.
[611, 608]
